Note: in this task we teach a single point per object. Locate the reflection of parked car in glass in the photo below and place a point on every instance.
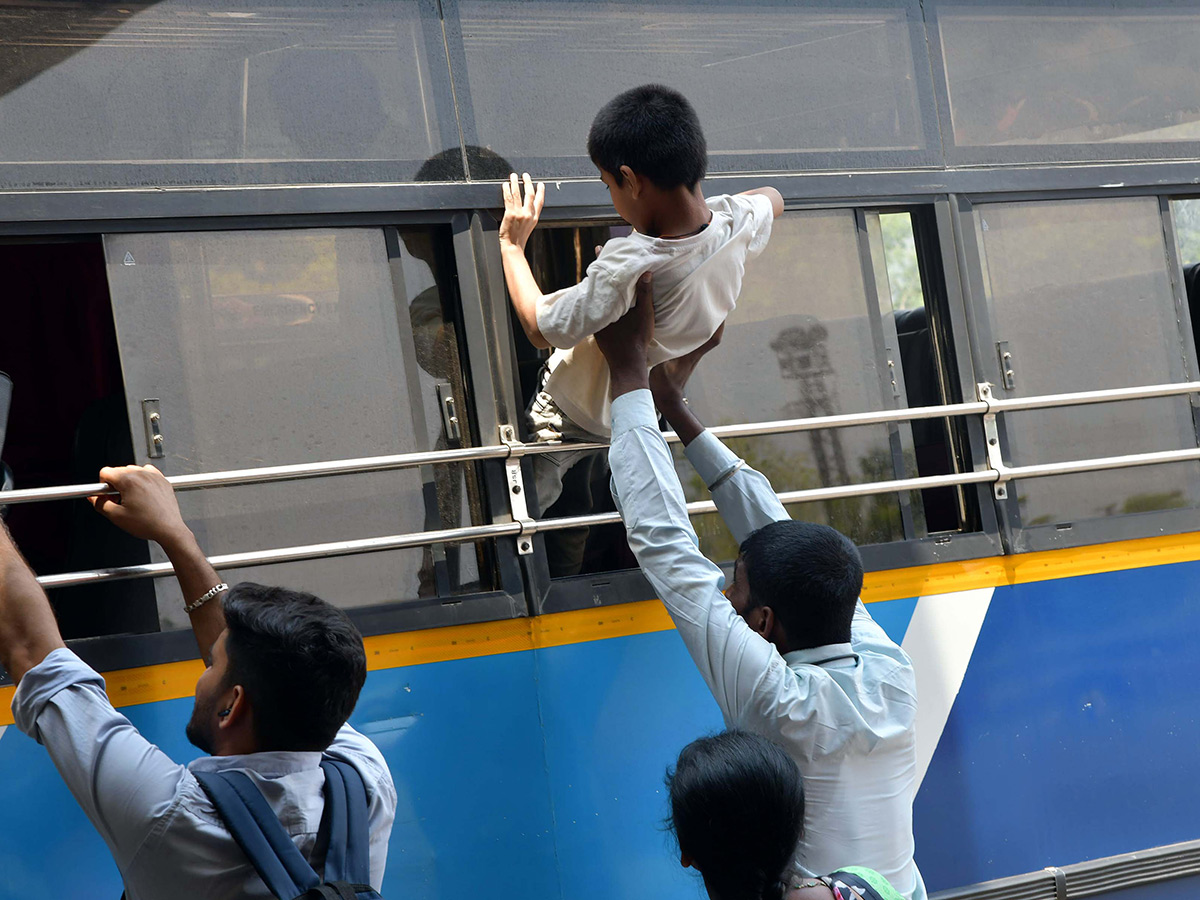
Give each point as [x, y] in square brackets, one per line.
[263, 311]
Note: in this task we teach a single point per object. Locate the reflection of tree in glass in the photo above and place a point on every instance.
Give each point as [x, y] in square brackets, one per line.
[1150, 502]
[1135, 503]
[865, 520]
[804, 358]
[310, 267]
[900, 254]
[1187, 230]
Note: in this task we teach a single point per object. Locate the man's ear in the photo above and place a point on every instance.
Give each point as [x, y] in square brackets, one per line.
[766, 625]
[630, 177]
[235, 707]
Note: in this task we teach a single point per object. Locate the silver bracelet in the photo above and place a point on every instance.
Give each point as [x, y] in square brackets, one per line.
[212, 592]
[733, 470]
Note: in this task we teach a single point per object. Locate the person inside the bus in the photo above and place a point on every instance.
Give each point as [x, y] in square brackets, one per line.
[789, 651]
[737, 811]
[284, 673]
[651, 154]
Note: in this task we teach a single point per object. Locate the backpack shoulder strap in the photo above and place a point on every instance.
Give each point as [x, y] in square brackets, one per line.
[257, 831]
[348, 857]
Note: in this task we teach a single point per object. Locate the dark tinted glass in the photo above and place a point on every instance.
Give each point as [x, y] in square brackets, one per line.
[1053, 76]
[188, 92]
[772, 82]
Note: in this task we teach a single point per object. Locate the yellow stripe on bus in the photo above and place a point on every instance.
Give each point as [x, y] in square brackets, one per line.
[172, 681]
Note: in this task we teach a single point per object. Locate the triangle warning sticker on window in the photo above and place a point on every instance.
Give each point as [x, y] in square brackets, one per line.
[129, 260]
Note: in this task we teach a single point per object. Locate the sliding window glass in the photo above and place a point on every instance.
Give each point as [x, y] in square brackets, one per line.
[1080, 297]
[807, 340]
[1065, 81]
[199, 92]
[776, 85]
[282, 347]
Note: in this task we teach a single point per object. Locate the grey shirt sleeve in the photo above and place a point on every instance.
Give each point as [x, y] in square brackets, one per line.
[124, 784]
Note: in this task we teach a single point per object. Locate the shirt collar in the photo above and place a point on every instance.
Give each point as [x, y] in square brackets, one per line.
[811, 656]
[272, 764]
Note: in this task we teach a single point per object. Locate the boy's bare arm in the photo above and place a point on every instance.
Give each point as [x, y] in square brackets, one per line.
[520, 218]
[775, 197]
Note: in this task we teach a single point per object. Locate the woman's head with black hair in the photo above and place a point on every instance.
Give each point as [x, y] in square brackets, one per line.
[737, 810]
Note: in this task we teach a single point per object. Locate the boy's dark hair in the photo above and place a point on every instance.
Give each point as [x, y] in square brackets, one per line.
[810, 575]
[737, 809]
[300, 660]
[653, 130]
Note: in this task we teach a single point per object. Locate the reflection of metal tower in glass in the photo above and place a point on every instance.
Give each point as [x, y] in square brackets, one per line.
[803, 357]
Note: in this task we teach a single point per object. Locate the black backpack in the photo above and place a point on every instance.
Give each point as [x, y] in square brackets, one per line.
[344, 832]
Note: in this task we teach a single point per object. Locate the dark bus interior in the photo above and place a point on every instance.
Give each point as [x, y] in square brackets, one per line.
[67, 420]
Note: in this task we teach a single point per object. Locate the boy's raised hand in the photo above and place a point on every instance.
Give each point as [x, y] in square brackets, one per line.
[521, 215]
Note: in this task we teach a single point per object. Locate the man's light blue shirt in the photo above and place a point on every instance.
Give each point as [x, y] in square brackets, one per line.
[845, 712]
[162, 830]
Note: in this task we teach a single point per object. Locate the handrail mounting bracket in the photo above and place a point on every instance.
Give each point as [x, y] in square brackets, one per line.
[516, 489]
[991, 433]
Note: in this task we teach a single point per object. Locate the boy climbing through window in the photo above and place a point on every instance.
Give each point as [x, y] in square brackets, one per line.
[650, 150]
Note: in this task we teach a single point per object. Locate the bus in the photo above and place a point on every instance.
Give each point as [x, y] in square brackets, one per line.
[255, 245]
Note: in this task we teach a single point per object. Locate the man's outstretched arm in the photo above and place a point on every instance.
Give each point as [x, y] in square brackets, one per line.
[28, 631]
[743, 496]
[743, 671]
[147, 509]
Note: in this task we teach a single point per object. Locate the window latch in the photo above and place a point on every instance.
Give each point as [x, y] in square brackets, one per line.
[152, 419]
[1007, 376]
[451, 425]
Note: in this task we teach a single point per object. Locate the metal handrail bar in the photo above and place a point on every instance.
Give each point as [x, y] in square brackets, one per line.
[479, 532]
[292, 554]
[1085, 398]
[293, 472]
[1100, 464]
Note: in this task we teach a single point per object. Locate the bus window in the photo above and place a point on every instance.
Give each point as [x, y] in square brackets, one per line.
[67, 420]
[277, 347]
[804, 341]
[738, 62]
[189, 93]
[1074, 81]
[1187, 237]
[1079, 294]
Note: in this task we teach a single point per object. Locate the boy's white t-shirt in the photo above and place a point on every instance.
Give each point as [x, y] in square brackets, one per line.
[696, 284]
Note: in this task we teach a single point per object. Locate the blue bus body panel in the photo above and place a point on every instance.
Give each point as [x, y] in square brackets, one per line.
[539, 774]
[1075, 733]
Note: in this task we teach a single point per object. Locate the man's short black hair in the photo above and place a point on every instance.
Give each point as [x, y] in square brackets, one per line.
[810, 575]
[653, 130]
[300, 660]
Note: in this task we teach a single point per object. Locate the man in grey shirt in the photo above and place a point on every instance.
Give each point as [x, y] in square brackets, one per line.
[284, 670]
